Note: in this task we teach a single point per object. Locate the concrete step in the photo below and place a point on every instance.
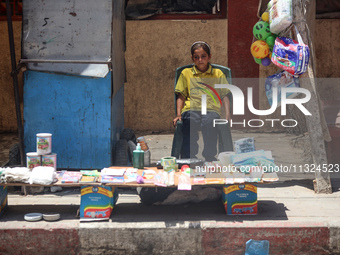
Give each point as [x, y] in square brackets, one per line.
[292, 218]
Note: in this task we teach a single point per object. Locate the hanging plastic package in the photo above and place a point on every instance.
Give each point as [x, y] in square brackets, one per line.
[291, 55]
[280, 15]
[281, 80]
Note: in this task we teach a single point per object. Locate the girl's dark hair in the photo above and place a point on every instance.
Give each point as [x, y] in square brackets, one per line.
[200, 44]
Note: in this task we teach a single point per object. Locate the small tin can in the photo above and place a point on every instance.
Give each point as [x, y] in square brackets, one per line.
[44, 143]
[49, 160]
[33, 160]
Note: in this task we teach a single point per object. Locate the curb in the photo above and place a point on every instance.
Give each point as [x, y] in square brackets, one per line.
[168, 238]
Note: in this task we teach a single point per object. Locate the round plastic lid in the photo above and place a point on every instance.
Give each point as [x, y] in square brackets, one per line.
[44, 134]
[32, 154]
[33, 216]
[50, 155]
[51, 216]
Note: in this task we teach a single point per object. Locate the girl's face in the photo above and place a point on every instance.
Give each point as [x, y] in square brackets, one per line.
[201, 59]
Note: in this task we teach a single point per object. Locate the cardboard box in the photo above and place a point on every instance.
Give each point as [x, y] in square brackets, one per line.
[3, 198]
[240, 199]
[97, 202]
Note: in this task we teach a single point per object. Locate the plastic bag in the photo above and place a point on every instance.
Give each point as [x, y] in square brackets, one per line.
[184, 182]
[162, 179]
[280, 15]
[280, 80]
[254, 247]
[243, 156]
[246, 165]
[244, 145]
[44, 175]
[245, 161]
[17, 174]
[291, 55]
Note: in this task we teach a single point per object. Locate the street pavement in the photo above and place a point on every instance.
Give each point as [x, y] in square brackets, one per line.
[291, 216]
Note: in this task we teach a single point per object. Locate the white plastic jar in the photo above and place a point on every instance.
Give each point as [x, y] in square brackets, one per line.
[44, 143]
[49, 160]
[33, 160]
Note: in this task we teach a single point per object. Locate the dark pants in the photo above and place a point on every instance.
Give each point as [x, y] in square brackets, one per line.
[194, 121]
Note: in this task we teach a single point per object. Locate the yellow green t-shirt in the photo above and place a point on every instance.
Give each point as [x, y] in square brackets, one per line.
[192, 84]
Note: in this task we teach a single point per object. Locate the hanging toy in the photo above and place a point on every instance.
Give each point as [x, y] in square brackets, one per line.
[259, 49]
[270, 40]
[261, 30]
[265, 16]
[266, 61]
[258, 61]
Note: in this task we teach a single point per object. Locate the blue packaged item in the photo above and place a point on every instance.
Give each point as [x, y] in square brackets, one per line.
[97, 202]
[291, 55]
[244, 145]
[240, 199]
[279, 81]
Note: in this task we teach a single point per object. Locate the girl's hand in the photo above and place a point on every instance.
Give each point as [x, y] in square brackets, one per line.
[228, 117]
[178, 118]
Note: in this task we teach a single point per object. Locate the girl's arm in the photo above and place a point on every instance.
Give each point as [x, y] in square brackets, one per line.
[180, 104]
[226, 104]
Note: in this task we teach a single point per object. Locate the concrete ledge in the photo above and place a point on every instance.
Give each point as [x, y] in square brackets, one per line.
[293, 219]
[176, 238]
[40, 241]
[141, 241]
[282, 240]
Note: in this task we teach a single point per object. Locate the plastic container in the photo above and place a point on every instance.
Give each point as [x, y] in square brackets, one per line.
[171, 168]
[147, 158]
[33, 216]
[51, 216]
[138, 157]
[143, 143]
[33, 160]
[49, 160]
[147, 154]
[44, 143]
[226, 158]
[168, 161]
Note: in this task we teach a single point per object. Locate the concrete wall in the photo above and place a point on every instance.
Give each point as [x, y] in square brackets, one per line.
[327, 51]
[8, 121]
[155, 49]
